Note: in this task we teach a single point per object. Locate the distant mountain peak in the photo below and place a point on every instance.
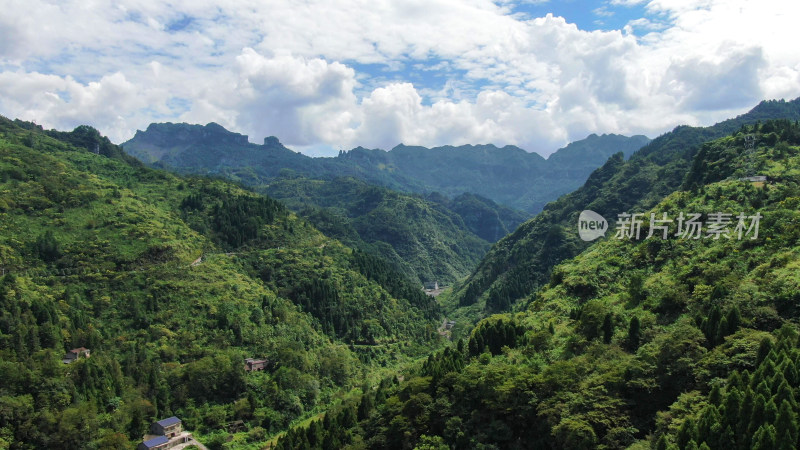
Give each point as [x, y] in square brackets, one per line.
[170, 134]
[508, 175]
[216, 126]
[272, 141]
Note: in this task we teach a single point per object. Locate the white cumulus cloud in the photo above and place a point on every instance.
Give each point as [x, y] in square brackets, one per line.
[341, 73]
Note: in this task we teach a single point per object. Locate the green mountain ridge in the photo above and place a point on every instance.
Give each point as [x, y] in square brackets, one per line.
[508, 175]
[172, 282]
[674, 343]
[428, 239]
[422, 237]
[439, 237]
[520, 263]
[621, 343]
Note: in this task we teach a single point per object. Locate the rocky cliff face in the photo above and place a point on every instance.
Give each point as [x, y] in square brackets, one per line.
[173, 135]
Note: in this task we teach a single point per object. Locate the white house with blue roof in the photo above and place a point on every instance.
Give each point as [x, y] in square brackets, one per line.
[167, 434]
[169, 427]
[157, 443]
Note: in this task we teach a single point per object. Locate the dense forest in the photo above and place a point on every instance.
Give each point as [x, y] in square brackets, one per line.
[171, 282]
[675, 343]
[428, 239]
[523, 260]
[681, 340]
[432, 212]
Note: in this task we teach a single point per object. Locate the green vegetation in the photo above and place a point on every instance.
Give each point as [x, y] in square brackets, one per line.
[427, 239]
[622, 343]
[172, 282]
[650, 343]
[507, 175]
[743, 410]
[523, 261]
[440, 237]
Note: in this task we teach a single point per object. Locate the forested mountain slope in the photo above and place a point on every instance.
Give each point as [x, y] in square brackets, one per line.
[429, 239]
[171, 282]
[661, 342]
[426, 241]
[522, 262]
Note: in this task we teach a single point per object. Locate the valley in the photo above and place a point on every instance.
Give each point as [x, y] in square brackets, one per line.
[287, 310]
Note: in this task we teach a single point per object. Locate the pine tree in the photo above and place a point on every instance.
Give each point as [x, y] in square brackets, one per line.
[608, 329]
[726, 439]
[776, 381]
[634, 334]
[715, 396]
[786, 426]
[686, 433]
[314, 434]
[366, 405]
[733, 403]
[330, 442]
[709, 419]
[636, 288]
[734, 380]
[745, 379]
[285, 442]
[790, 373]
[785, 394]
[347, 418]
[764, 438]
[763, 349]
[301, 442]
[734, 317]
[770, 412]
[763, 389]
[711, 325]
[757, 417]
[744, 413]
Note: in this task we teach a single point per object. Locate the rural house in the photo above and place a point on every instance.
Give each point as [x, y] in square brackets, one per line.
[251, 364]
[165, 434]
[75, 354]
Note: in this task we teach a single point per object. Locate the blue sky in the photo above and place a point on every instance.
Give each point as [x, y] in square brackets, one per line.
[433, 73]
[328, 74]
[587, 15]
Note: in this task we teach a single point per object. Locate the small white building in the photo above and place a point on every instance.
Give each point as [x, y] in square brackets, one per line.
[755, 179]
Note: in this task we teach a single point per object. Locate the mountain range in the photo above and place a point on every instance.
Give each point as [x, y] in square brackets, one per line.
[173, 280]
[507, 175]
[427, 239]
[431, 212]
